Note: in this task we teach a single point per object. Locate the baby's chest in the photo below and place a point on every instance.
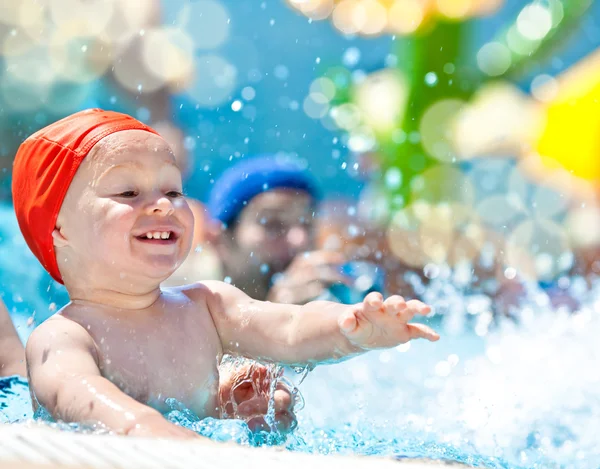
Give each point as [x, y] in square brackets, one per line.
[167, 362]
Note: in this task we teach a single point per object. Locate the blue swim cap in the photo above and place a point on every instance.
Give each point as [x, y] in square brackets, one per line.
[245, 180]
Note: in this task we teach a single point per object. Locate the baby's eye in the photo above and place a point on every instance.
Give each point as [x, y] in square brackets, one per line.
[128, 194]
[174, 194]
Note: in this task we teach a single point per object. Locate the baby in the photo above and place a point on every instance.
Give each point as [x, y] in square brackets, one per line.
[98, 197]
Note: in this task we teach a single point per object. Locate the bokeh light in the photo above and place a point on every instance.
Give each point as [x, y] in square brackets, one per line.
[583, 226]
[534, 21]
[214, 80]
[206, 22]
[443, 184]
[499, 119]
[501, 211]
[375, 17]
[539, 249]
[406, 17]
[494, 59]
[169, 55]
[441, 233]
[381, 99]
[89, 17]
[437, 130]
[131, 72]
[314, 9]
[77, 56]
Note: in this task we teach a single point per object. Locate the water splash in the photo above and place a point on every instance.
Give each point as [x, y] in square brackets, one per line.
[525, 395]
[275, 372]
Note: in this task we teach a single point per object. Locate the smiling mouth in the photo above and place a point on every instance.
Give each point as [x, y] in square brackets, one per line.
[158, 237]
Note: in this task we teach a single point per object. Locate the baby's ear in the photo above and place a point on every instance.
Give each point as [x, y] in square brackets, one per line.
[58, 239]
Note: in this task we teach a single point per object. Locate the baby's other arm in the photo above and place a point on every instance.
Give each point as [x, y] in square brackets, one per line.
[319, 331]
[12, 353]
[62, 363]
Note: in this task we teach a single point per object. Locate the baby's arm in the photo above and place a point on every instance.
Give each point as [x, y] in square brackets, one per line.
[316, 332]
[64, 377]
[12, 354]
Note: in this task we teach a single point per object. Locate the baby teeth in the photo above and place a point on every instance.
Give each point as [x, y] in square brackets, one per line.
[158, 235]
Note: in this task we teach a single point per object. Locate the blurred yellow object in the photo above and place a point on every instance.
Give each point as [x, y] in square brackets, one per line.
[571, 134]
[373, 17]
[381, 99]
[499, 120]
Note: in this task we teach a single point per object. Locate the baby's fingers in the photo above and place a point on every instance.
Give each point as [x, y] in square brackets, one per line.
[356, 330]
[418, 307]
[421, 331]
[373, 304]
[395, 305]
[348, 323]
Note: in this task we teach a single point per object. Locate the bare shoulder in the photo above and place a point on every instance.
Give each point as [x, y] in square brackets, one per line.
[59, 332]
[216, 296]
[212, 288]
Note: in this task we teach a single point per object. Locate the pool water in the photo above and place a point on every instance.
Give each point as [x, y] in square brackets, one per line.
[523, 397]
[506, 394]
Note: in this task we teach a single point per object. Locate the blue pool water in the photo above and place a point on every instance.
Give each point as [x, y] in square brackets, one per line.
[499, 396]
[522, 397]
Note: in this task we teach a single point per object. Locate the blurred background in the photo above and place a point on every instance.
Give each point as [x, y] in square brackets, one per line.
[456, 134]
[457, 144]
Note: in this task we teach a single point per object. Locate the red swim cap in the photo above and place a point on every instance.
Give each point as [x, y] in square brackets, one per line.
[44, 167]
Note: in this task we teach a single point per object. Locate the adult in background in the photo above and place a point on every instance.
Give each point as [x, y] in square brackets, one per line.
[266, 239]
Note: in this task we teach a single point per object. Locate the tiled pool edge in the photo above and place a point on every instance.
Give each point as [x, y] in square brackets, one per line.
[38, 447]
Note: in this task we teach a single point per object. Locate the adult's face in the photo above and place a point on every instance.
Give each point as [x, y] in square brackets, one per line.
[274, 227]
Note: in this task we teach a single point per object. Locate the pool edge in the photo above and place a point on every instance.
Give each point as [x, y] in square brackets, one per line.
[31, 446]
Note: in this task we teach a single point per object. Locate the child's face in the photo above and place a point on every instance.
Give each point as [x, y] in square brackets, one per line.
[124, 211]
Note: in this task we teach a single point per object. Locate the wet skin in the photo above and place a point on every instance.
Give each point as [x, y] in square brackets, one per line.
[123, 345]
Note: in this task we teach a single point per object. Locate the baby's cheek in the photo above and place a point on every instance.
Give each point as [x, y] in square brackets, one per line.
[184, 211]
[117, 217]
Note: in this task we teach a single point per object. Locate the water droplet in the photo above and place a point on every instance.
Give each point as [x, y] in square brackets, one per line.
[431, 79]
[248, 93]
[351, 57]
[510, 273]
[449, 68]
[281, 72]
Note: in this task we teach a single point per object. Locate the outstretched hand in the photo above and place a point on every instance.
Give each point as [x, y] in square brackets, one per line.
[376, 323]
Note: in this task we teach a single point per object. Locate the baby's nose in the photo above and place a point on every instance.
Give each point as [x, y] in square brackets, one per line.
[162, 206]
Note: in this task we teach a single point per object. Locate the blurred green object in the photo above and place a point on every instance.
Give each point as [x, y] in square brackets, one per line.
[438, 75]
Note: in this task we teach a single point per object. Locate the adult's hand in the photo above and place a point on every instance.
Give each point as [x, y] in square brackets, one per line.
[244, 392]
[308, 277]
